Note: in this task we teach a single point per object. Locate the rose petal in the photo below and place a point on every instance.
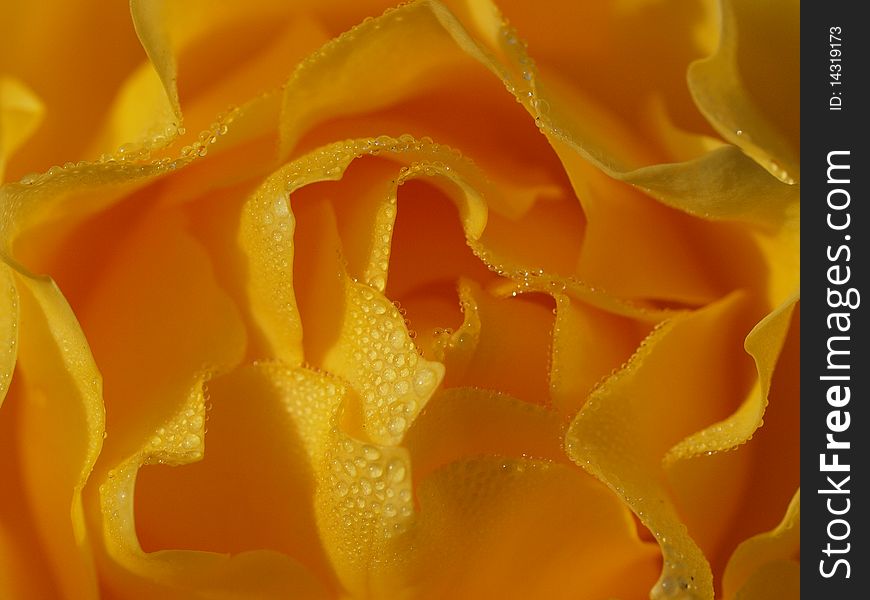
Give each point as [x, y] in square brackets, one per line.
[620, 437]
[325, 98]
[660, 253]
[315, 80]
[462, 422]
[376, 355]
[588, 344]
[63, 196]
[131, 573]
[574, 47]
[166, 27]
[9, 318]
[779, 579]
[706, 186]
[742, 99]
[254, 488]
[21, 112]
[141, 116]
[61, 406]
[157, 286]
[508, 528]
[768, 561]
[23, 562]
[363, 490]
[64, 73]
[428, 225]
[764, 344]
[369, 48]
[513, 335]
[467, 108]
[735, 188]
[768, 464]
[267, 242]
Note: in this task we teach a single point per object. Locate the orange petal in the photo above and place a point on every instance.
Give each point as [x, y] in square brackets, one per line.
[507, 528]
[742, 99]
[768, 562]
[253, 489]
[61, 407]
[573, 49]
[129, 572]
[588, 344]
[266, 238]
[514, 335]
[156, 309]
[620, 434]
[462, 422]
[768, 465]
[93, 49]
[363, 490]
[9, 318]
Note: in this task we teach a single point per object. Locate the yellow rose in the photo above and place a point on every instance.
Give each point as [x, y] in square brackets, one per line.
[444, 306]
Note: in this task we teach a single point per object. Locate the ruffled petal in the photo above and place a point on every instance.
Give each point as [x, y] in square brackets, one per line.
[150, 20]
[750, 485]
[130, 572]
[363, 489]
[768, 562]
[743, 99]
[764, 344]
[619, 60]
[60, 405]
[620, 435]
[156, 309]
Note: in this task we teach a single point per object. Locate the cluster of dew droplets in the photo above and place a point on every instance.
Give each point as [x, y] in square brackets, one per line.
[277, 224]
[393, 380]
[370, 490]
[180, 440]
[313, 399]
[364, 495]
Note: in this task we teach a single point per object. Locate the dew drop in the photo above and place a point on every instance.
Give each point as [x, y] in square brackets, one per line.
[281, 208]
[397, 425]
[396, 471]
[371, 453]
[397, 339]
[191, 441]
[423, 381]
